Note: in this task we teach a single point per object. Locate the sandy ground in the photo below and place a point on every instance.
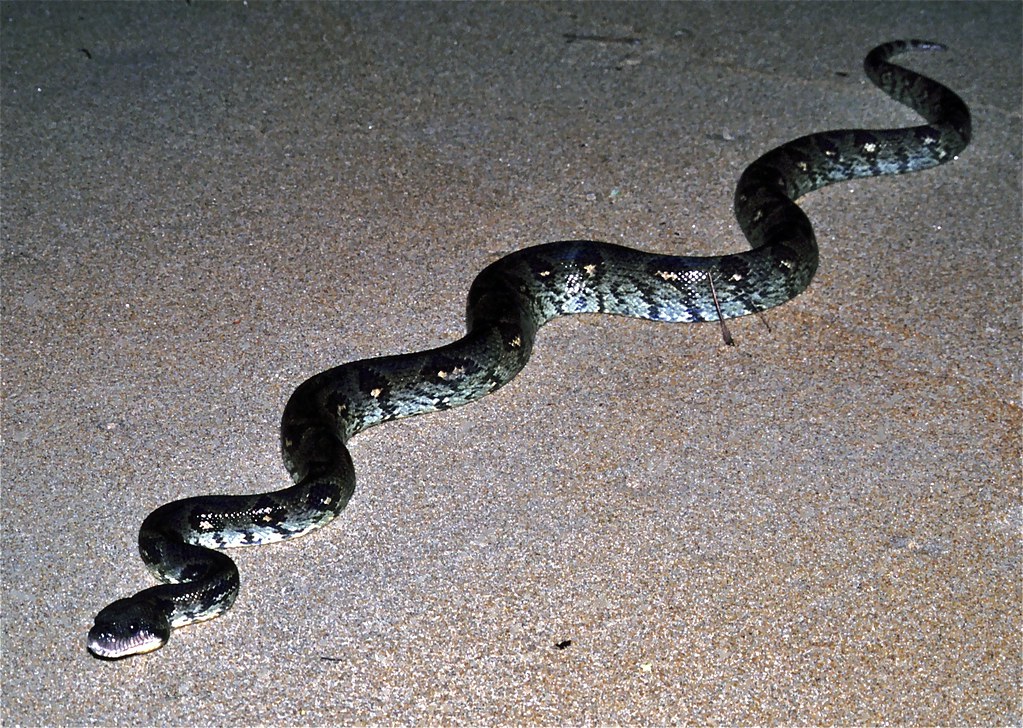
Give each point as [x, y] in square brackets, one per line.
[203, 204]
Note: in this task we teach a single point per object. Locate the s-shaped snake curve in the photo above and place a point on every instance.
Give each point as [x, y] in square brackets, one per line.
[181, 542]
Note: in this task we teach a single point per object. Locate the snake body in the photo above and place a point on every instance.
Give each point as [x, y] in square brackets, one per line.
[508, 302]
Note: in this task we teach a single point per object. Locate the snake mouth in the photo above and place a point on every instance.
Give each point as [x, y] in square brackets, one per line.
[108, 646]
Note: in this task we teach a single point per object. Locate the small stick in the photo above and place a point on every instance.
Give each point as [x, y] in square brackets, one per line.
[725, 333]
[601, 38]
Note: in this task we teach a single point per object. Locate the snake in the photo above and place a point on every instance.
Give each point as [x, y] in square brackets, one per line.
[182, 542]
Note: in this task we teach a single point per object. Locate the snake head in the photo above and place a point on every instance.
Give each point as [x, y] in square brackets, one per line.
[129, 626]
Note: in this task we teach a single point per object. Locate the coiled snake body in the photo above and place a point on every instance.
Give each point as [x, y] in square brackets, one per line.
[508, 302]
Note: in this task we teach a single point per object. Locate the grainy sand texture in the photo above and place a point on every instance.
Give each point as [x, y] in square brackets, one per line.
[205, 203]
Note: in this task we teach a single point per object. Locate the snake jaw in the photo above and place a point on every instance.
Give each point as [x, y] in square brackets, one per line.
[128, 627]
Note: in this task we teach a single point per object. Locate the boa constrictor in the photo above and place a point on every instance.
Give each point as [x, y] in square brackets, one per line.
[508, 302]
